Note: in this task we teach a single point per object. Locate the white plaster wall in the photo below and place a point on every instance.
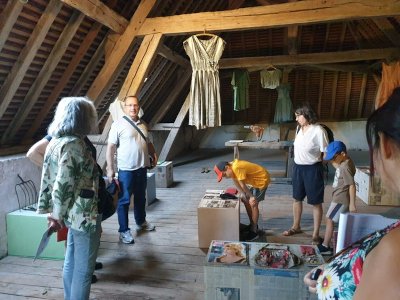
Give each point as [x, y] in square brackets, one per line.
[10, 166]
[352, 133]
[216, 137]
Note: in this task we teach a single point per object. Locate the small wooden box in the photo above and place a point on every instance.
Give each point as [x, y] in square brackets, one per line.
[371, 190]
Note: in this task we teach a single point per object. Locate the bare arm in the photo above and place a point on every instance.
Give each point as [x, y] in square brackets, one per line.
[111, 148]
[352, 192]
[152, 152]
[37, 151]
[381, 270]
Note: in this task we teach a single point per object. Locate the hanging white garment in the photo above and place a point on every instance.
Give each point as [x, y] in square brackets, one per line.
[284, 107]
[205, 99]
[270, 79]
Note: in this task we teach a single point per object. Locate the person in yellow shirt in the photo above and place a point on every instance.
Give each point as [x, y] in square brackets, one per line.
[252, 181]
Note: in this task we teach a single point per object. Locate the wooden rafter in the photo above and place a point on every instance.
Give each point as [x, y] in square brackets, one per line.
[348, 95]
[171, 98]
[7, 19]
[55, 93]
[320, 92]
[292, 36]
[100, 12]
[333, 94]
[174, 131]
[90, 67]
[34, 42]
[120, 50]
[355, 68]
[171, 55]
[362, 95]
[140, 66]
[309, 58]
[388, 29]
[300, 12]
[44, 74]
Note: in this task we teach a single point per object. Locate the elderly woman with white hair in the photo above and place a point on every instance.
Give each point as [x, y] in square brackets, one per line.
[69, 191]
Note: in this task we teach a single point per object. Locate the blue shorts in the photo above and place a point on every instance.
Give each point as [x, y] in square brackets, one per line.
[258, 193]
[308, 180]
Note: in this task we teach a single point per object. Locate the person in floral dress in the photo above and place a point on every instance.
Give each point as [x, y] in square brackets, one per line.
[370, 268]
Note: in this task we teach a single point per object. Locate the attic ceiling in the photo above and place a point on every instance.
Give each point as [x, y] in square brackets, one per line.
[330, 53]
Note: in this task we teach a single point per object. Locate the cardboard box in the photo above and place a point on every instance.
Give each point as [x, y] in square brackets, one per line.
[372, 191]
[164, 174]
[24, 232]
[218, 219]
[151, 189]
[249, 281]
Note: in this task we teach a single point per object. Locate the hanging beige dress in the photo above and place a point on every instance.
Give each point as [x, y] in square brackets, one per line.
[205, 99]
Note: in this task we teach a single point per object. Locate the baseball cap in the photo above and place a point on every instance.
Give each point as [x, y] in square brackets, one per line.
[219, 168]
[334, 148]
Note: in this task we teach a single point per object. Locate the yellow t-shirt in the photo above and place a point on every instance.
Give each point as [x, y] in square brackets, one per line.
[251, 174]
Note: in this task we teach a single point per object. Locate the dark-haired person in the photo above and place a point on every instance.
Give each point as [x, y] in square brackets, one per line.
[69, 191]
[132, 145]
[308, 173]
[370, 268]
[252, 182]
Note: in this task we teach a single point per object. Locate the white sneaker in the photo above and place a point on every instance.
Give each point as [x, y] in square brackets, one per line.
[145, 226]
[126, 237]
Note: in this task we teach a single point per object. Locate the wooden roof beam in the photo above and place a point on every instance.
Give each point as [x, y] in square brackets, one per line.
[355, 68]
[309, 58]
[171, 55]
[44, 75]
[55, 93]
[169, 142]
[250, 18]
[27, 54]
[120, 50]
[388, 29]
[7, 19]
[140, 66]
[100, 12]
[183, 79]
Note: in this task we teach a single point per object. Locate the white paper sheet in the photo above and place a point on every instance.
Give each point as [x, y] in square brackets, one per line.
[354, 226]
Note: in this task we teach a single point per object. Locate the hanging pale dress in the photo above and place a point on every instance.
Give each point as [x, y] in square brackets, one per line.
[205, 99]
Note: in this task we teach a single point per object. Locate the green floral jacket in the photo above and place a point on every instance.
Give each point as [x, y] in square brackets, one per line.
[69, 183]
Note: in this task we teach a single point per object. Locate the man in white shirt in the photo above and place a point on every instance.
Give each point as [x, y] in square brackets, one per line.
[133, 149]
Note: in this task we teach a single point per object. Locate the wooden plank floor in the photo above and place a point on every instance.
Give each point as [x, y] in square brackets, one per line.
[166, 263]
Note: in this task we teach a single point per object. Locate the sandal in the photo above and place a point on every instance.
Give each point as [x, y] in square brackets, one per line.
[292, 231]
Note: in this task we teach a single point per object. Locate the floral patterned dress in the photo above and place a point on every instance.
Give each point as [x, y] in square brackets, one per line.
[341, 276]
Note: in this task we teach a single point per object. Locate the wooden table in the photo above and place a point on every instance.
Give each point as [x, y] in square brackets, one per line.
[284, 145]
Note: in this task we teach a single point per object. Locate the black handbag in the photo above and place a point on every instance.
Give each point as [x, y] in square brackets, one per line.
[106, 205]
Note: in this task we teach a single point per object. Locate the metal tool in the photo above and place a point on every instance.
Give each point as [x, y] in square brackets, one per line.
[44, 241]
[27, 190]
